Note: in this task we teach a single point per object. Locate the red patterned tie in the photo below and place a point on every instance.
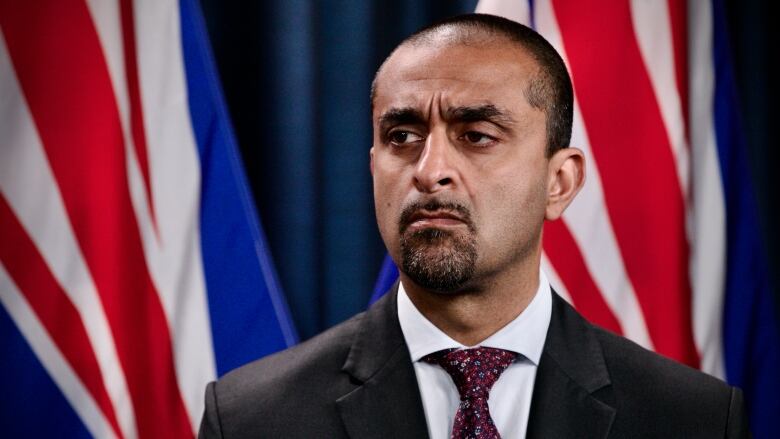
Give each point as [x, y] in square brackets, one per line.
[474, 372]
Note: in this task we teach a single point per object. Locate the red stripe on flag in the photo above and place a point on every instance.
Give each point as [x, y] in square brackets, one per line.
[560, 247]
[134, 94]
[678, 20]
[51, 304]
[632, 151]
[58, 58]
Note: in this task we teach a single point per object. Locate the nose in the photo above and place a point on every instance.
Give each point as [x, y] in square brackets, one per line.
[435, 170]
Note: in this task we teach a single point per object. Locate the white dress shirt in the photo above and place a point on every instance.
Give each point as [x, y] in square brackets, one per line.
[510, 399]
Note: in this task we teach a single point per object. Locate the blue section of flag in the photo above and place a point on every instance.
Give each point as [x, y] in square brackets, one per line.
[388, 274]
[27, 387]
[249, 316]
[751, 333]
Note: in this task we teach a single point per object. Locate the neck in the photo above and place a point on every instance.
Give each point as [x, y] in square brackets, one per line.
[471, 317]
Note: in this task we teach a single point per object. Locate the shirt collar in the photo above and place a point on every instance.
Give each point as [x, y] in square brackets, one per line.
[524, 335]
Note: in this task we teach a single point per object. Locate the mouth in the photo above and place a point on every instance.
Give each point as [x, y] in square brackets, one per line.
[435, 214]
[438, 218]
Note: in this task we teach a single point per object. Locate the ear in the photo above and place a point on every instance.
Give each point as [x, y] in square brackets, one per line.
[566, 175]
[371, 160]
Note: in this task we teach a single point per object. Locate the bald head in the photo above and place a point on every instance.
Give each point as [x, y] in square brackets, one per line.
[548, 90]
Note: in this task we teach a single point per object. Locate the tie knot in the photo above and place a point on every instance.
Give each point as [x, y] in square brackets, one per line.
[474, 371]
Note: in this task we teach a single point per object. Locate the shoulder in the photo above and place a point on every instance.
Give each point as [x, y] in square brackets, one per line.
[630, 363]
[319, 356]
[623, 363]
[663, 396]
[627, 359]
[296, 393]
[288, 394]
[650, 395]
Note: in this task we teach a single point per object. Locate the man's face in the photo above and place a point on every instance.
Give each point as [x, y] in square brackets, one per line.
[458, 163]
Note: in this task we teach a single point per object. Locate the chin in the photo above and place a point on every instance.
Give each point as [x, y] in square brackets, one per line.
[438, 260]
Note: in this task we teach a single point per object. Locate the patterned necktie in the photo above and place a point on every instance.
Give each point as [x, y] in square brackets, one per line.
[474, 372]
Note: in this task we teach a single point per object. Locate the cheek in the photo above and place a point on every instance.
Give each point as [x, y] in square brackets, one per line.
[514, 208]
[387, 201]
[392, 179]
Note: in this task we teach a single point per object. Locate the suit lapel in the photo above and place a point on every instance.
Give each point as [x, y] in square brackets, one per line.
[572, 394]
[387, 402]
[572, 381]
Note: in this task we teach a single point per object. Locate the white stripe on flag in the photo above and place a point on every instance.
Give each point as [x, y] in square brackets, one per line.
[108, 24]
[516, 10]
[177, 265]
[588, 221]
[52, 359]
[28, 184]
[708, 241]
[652, 27]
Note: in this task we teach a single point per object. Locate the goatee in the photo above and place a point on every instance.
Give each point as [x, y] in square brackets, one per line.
[436, 259]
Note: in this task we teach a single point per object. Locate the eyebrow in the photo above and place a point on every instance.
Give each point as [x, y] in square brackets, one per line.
[400, 116]
[487, 112]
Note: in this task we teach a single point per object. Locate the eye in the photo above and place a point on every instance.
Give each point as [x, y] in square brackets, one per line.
[476, 138]
[401, 137]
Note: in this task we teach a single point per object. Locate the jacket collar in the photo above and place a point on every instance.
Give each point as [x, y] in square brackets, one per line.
[572, 370]
[387, 401]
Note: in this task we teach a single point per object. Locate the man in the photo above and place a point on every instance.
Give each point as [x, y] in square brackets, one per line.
[472, 119]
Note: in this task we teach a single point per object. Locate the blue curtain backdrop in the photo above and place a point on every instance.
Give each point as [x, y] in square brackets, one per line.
[296, 75]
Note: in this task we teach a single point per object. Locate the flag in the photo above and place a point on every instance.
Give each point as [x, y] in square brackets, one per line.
[662, 244]
[133, 268]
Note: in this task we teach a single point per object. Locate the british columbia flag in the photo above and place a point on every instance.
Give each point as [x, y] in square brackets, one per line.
[133, 269]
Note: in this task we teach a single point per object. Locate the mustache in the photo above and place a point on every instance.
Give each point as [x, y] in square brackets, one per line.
[409, 211]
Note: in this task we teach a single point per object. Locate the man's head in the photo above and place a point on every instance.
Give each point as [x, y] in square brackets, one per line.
[471, 119]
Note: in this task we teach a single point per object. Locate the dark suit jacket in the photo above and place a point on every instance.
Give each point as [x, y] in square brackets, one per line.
[357, 380]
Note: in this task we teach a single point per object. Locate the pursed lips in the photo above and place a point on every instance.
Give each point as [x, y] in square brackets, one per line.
[437, 218]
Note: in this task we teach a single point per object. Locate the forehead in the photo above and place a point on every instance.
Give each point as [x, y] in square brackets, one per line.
[455, 74]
